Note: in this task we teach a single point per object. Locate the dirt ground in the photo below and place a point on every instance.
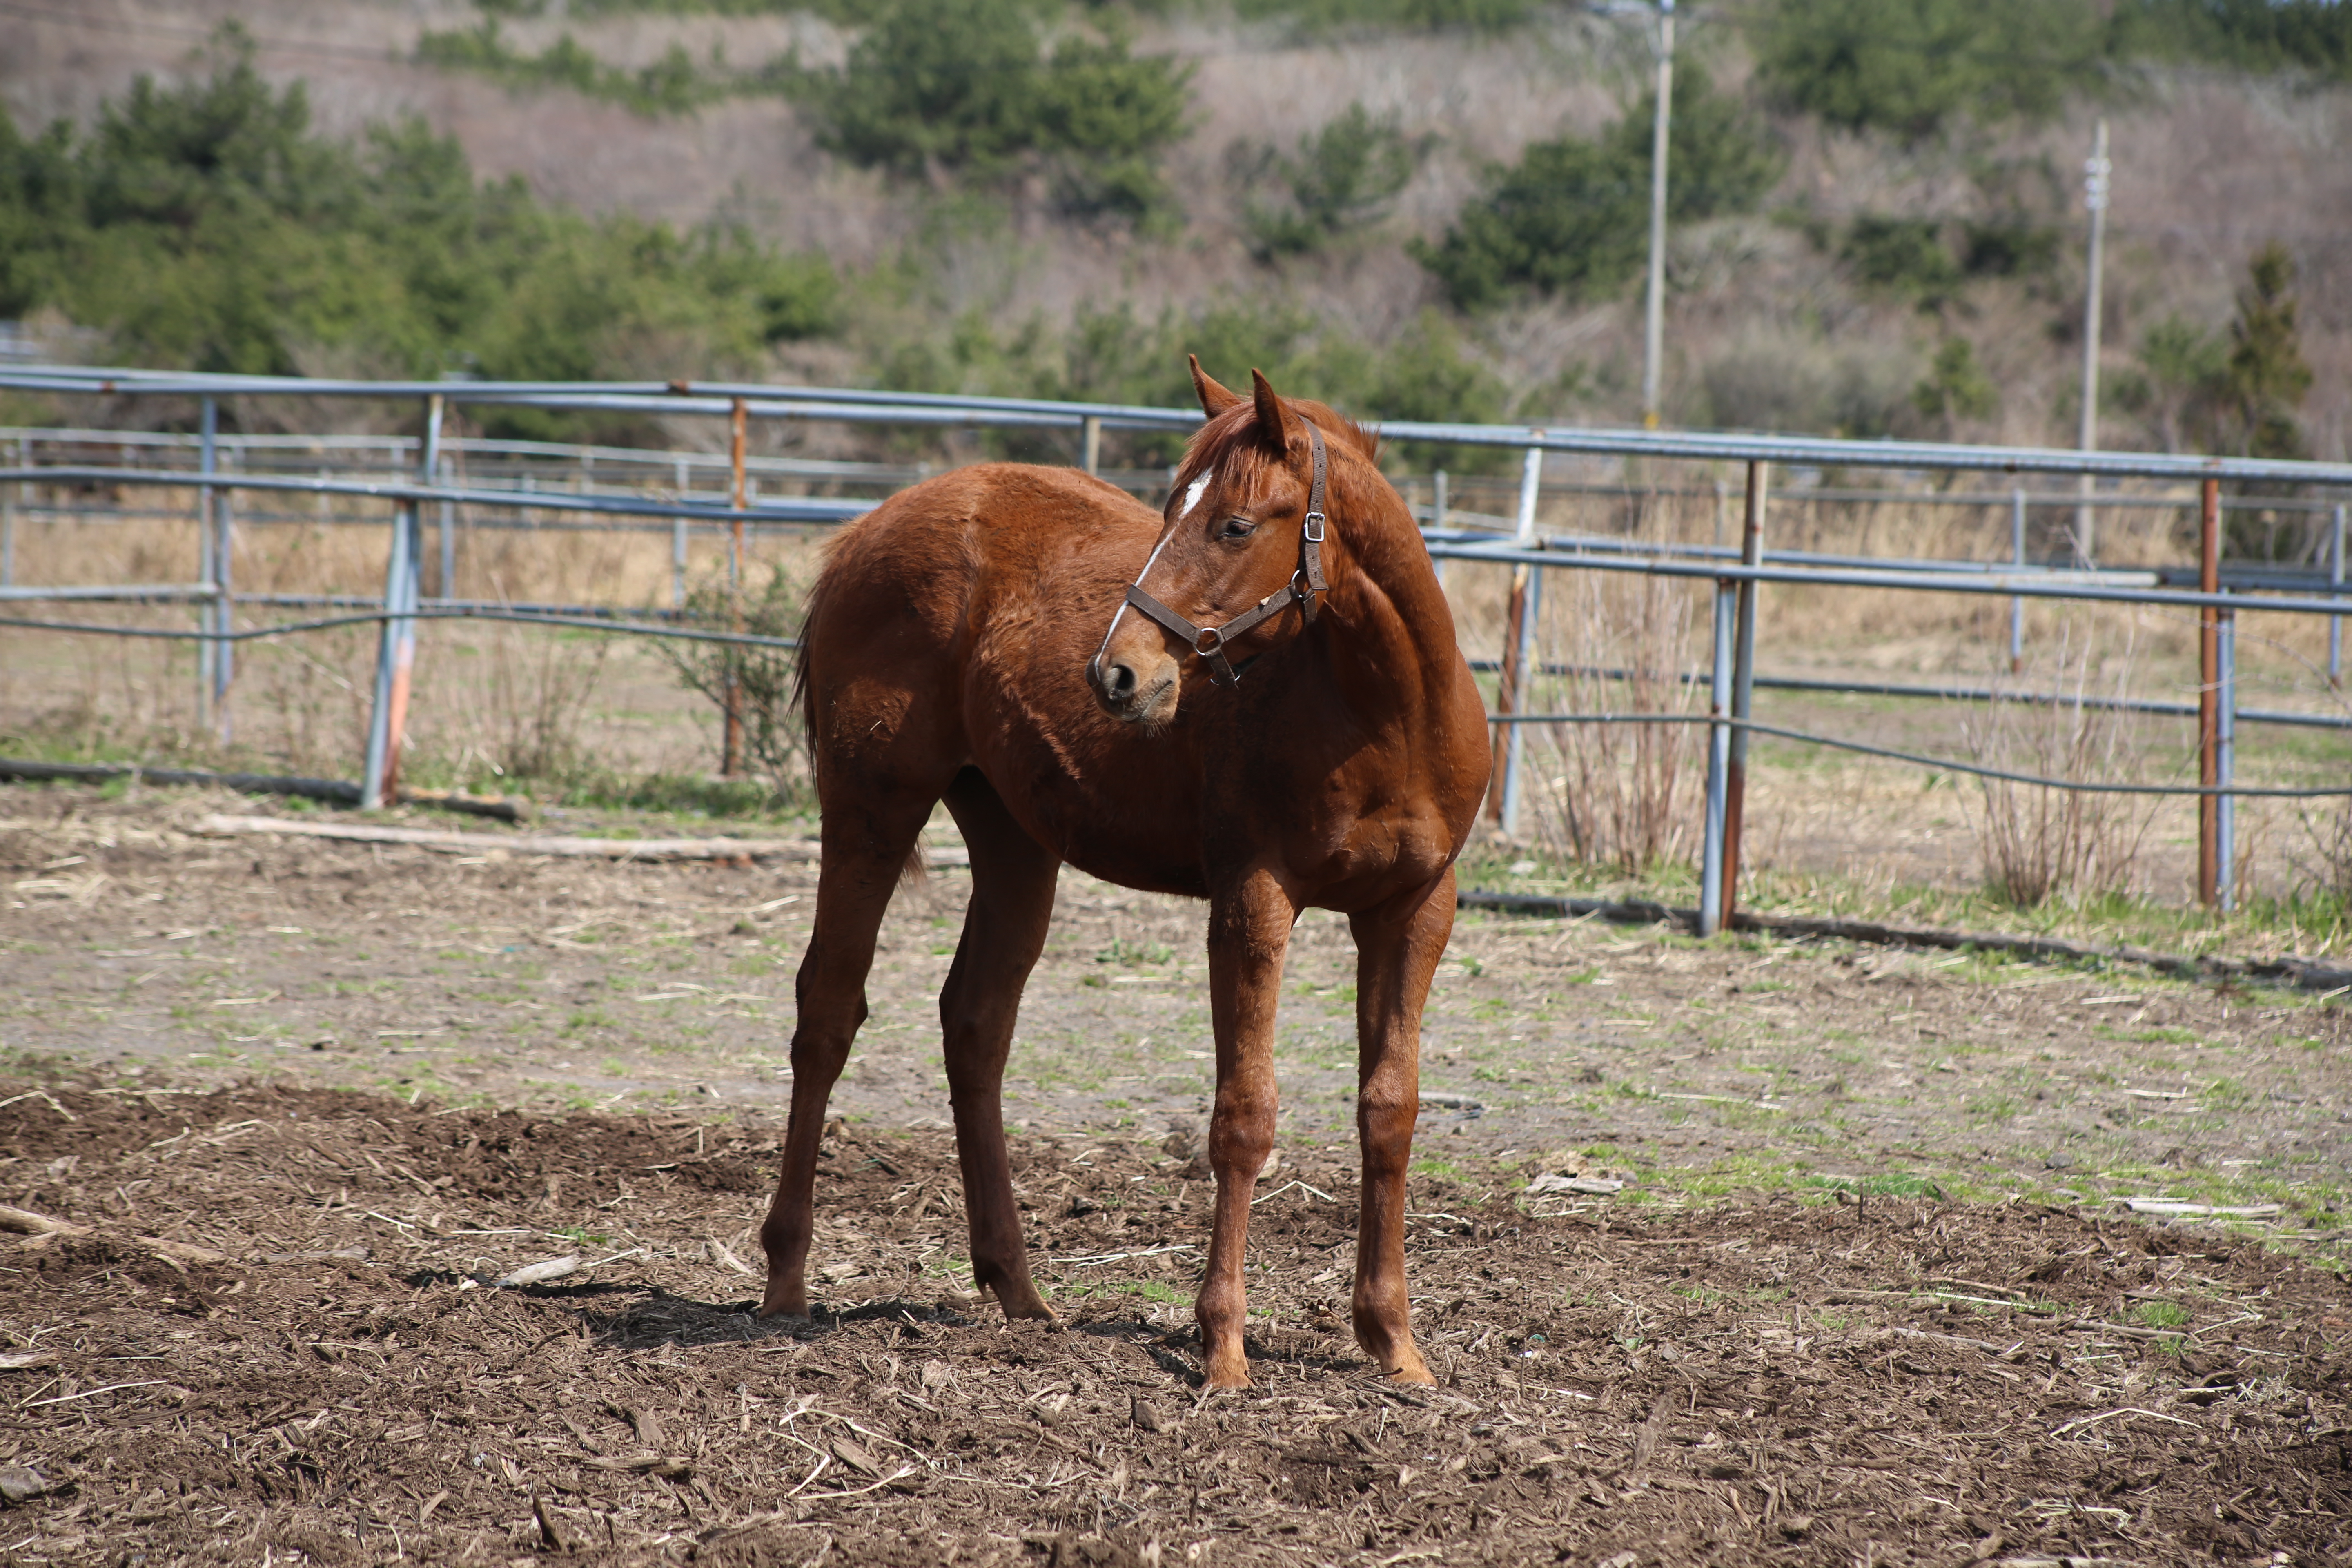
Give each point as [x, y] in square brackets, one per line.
[1870, 1294]
[337, 1377]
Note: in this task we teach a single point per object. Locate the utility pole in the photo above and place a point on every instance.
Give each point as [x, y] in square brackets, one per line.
[1654, 319]
[2094, 199]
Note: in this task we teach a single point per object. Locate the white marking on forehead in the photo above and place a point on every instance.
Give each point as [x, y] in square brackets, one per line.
[1192, 491]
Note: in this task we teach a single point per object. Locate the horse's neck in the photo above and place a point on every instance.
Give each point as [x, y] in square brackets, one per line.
[1389, 603]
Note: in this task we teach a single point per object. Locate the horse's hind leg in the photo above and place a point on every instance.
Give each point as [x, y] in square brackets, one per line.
[1003, 931]
[865, 848]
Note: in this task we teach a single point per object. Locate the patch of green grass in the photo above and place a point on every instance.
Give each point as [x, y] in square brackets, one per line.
[1990, 1110]
[2160, 1315]
[2148, 1036]
[1149, 1290]
[580, 1236]
[2226, 1094]
[1892, 1184]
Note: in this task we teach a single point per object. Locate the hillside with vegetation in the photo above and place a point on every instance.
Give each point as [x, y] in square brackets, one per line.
[1415, 208]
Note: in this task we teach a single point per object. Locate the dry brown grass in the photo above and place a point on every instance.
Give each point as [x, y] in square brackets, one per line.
[2037, 842]
[496, 703]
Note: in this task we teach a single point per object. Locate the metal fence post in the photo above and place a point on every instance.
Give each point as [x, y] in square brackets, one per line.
[395, 598]
[225, 608]
[449, 533]
[678, 546]
[1438, 509]
[2208, 705]
[24, 460]
[730, 746]
[2225, 760]
[396, 647]
[2336, 623]
[1090, 443]
[207, 567]
[2017, 556]
[1743, 686]
[1718, 761]
[1517, 639]
[1515, 735]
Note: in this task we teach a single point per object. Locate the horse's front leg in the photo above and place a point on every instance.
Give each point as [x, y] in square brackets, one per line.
[1398, 944]
[1249, 931]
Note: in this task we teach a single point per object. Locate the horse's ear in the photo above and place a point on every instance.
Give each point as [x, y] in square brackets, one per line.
[1214, 399]
[1272, 418]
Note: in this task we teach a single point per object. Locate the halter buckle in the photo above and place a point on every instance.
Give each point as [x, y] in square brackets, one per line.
[1313, 531]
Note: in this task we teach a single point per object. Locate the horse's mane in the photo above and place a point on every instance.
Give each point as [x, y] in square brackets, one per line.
[1230, 440]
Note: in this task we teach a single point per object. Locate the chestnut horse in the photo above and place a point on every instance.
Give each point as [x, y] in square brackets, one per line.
[1279, 718]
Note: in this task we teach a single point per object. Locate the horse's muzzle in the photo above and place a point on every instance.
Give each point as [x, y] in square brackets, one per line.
[1126, 693]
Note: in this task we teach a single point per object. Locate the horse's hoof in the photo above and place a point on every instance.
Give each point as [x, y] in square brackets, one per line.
[1226, 1372]
[1412, 1369]
[784, 1301]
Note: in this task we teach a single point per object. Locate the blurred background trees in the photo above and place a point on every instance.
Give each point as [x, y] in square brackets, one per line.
[1875, 207]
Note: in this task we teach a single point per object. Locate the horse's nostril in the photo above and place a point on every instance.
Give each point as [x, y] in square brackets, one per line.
[1121, 684]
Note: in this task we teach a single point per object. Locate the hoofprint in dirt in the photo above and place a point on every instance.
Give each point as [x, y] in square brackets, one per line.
[128, 940]
[280, 1335]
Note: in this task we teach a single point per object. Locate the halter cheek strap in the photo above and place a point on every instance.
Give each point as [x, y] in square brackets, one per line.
[1307, 585]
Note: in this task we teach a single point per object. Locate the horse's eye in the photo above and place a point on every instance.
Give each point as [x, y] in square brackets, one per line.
[1237, 528]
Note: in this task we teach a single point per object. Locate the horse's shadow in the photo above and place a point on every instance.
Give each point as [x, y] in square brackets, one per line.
[626, 1317]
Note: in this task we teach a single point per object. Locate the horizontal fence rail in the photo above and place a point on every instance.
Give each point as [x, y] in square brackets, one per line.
[518, 478]
[849, 404]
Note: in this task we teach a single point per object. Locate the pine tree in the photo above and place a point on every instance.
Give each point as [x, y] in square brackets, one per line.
[2267, 375]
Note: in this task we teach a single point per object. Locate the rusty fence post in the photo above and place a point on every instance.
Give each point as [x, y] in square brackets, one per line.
[1743, 688]
[2208, 695]
[2225, 761]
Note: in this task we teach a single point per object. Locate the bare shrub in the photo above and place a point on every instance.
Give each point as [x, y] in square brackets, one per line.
[2033, 841]
[521, 715]
[2326, 862]
[1615, 791]
[761, 677]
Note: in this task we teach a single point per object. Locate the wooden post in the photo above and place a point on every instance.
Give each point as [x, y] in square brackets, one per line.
[731, 751]
[2208, 697]
[1092, 443]
[1743, 687]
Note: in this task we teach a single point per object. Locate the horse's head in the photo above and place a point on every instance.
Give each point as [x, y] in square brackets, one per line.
[1238, 567]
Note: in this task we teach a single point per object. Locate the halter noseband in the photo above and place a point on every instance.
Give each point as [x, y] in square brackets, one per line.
[1305, 583]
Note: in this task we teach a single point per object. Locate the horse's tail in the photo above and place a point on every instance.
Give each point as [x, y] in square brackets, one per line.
[804, 694]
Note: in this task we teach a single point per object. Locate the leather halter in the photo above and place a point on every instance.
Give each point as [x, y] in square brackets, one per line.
[1305, 583]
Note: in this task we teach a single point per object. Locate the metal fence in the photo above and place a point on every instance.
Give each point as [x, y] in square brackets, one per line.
[503, 475]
